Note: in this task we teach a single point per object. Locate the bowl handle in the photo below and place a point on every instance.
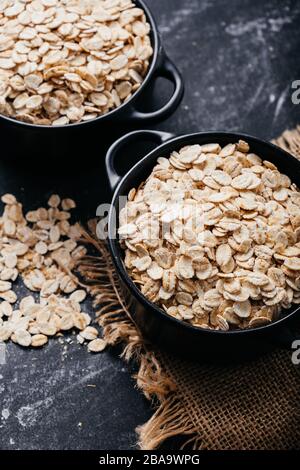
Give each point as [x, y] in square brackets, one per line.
[165, 69]
[156, 136]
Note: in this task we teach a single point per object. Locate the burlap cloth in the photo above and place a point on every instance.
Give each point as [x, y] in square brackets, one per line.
[249, 406]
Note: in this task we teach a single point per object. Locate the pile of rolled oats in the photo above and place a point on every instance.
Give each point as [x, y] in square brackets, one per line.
[42, 248]
[212, 237]
[66, 61]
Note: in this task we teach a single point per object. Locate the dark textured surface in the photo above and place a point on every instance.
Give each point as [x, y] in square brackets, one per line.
[239, 59]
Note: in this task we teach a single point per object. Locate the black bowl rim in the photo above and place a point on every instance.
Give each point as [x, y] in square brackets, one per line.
[155, 43]
[116, 251]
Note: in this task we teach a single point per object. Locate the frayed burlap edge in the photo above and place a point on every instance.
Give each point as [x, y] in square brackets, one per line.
[170, 418]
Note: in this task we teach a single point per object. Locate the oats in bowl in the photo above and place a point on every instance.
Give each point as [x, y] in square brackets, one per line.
[67, 61]
[212, 237]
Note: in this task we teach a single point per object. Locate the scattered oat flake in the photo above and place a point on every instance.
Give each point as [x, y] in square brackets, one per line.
[38, 250]
[97, 345]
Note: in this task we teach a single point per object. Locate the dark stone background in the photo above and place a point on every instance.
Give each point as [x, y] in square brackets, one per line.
[238, 59]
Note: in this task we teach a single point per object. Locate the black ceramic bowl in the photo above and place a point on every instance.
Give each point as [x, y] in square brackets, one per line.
[88, 136]
[153, 322]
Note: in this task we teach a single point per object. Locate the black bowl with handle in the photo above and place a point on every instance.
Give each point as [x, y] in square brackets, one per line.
[160, 328]
[24, 140]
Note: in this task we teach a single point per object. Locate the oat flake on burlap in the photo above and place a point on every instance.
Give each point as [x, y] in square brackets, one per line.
[250, 406]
